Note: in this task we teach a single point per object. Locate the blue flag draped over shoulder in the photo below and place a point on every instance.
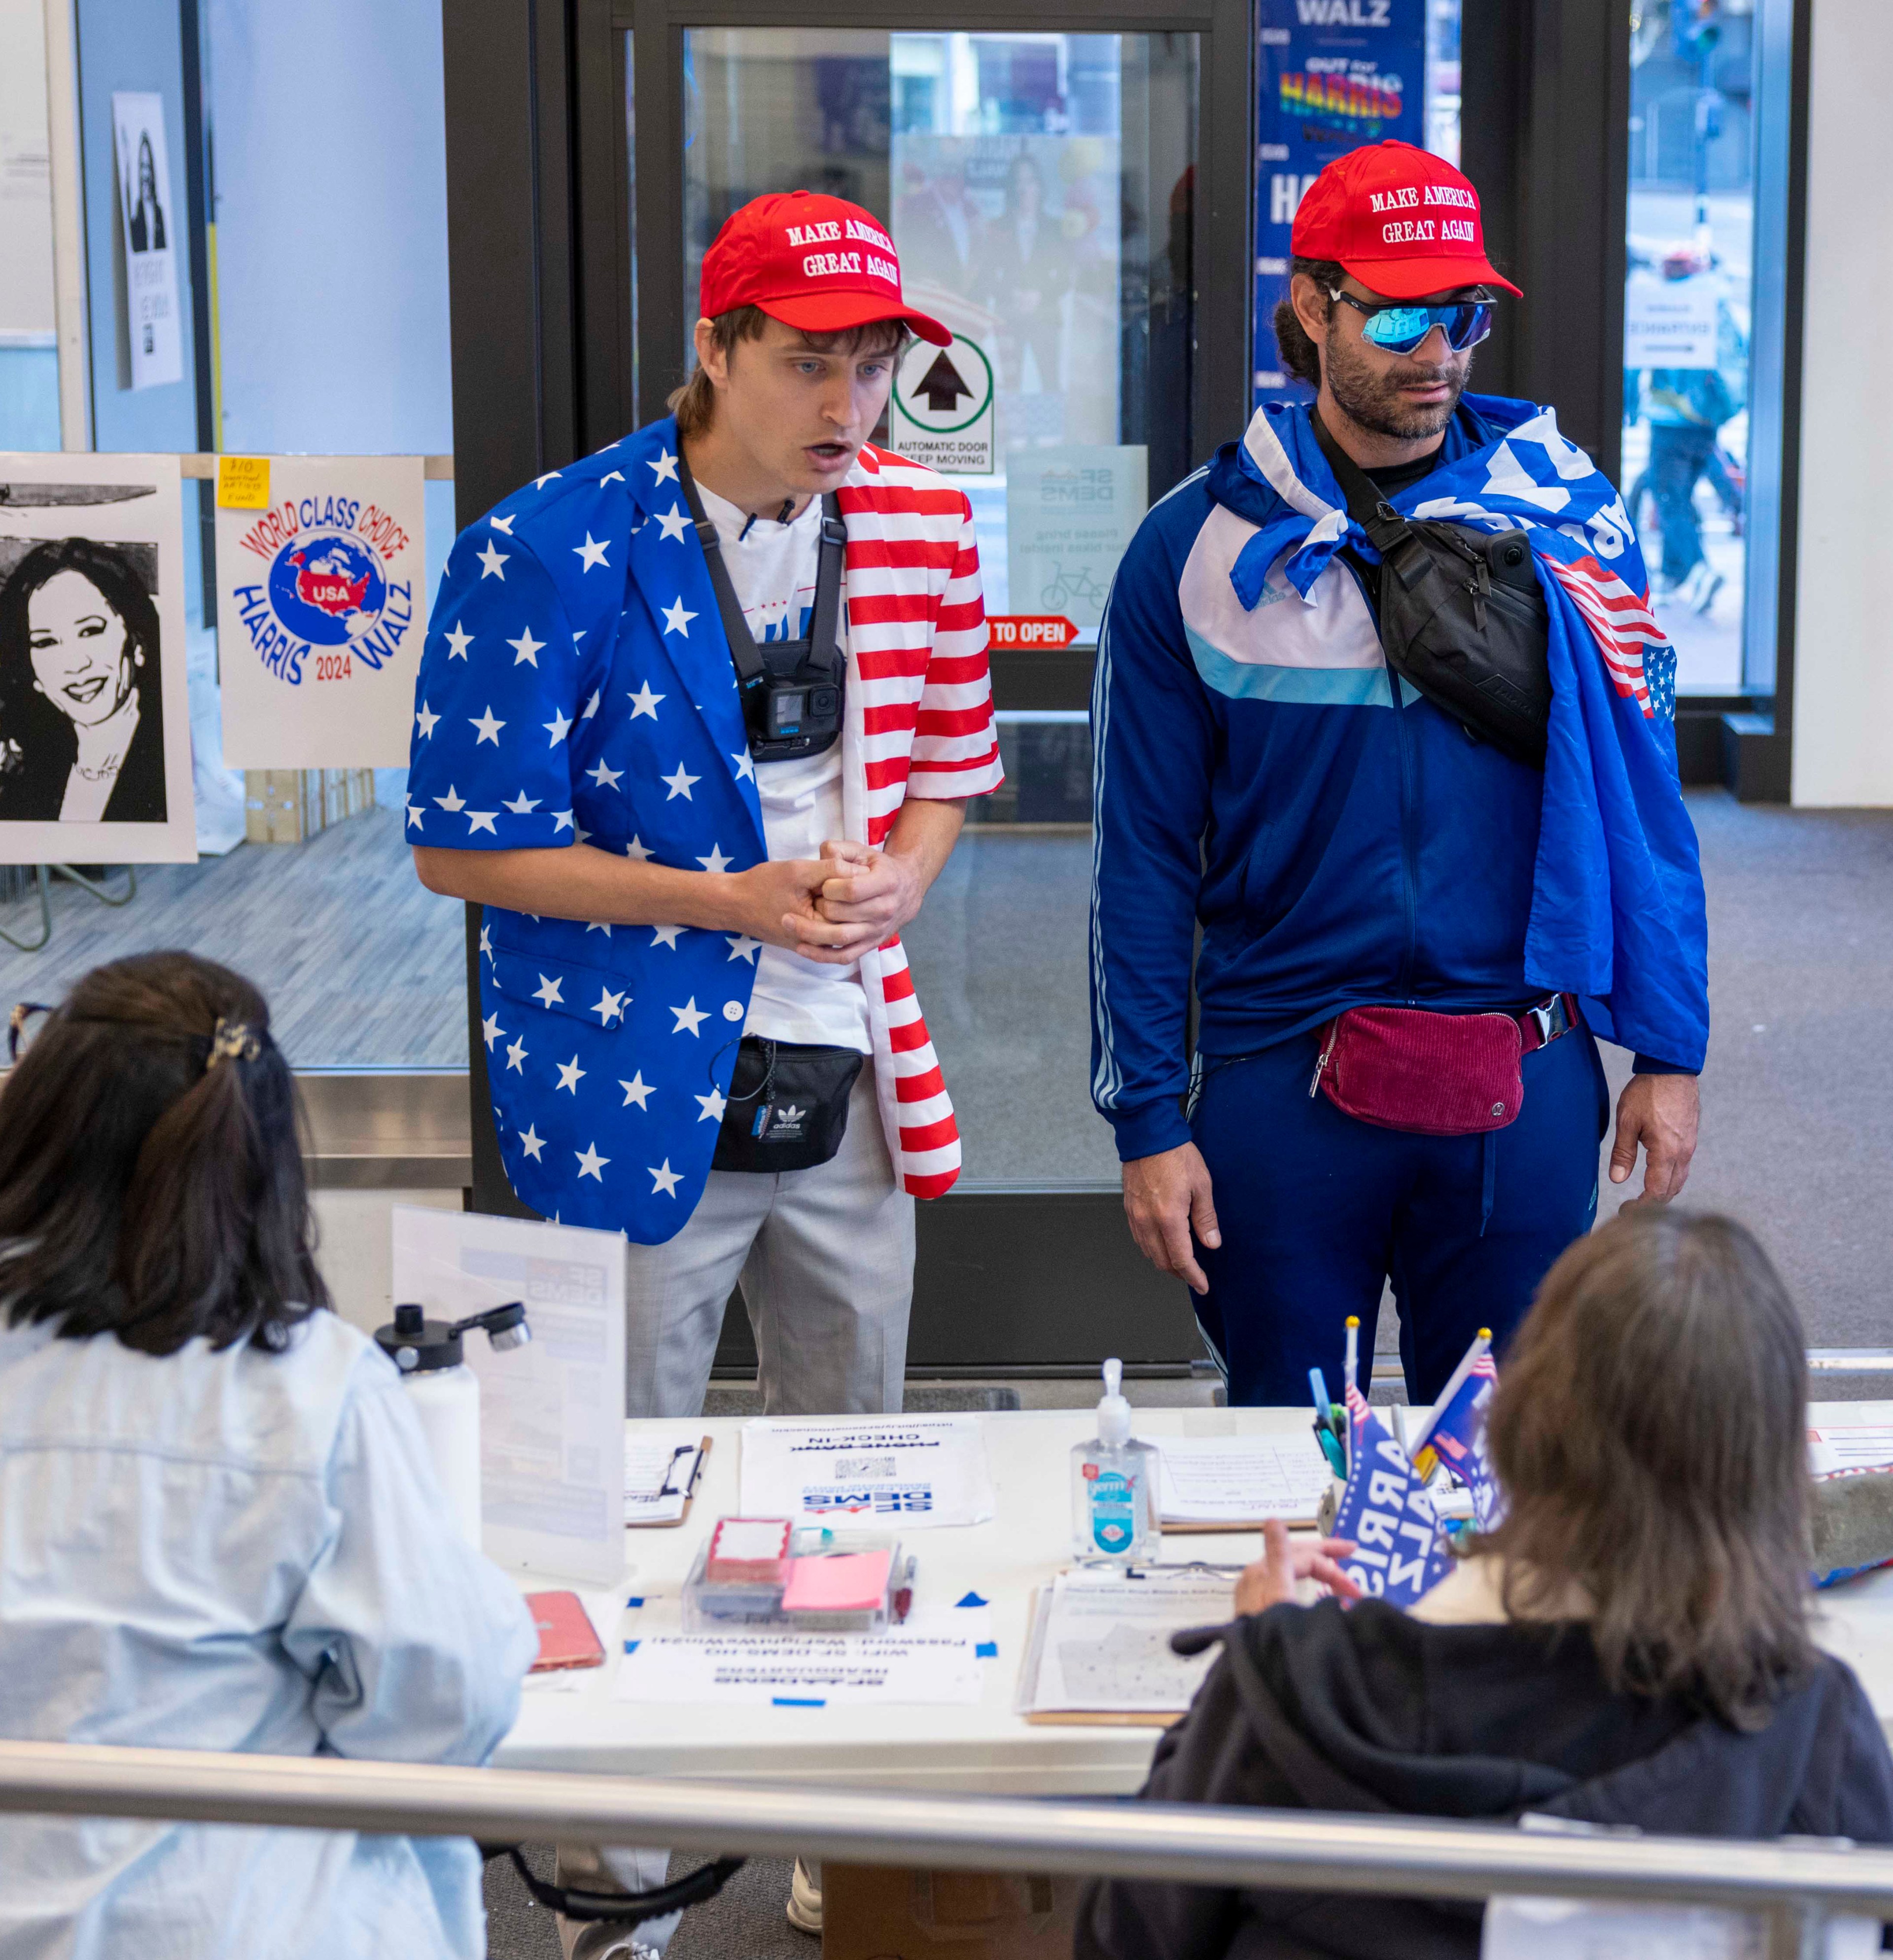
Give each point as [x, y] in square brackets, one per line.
[1617, 911]
[1399, 1555]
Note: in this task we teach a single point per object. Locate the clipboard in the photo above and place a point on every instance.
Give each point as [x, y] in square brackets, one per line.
[689, 1497]
[1073, 1718]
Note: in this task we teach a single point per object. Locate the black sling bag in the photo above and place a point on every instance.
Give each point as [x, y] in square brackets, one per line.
[1461, 615]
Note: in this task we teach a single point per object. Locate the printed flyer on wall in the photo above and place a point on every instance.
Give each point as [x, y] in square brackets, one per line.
[1013, 241]
[95, 726]
[151, 237]
[1071, 510]
[321, 608]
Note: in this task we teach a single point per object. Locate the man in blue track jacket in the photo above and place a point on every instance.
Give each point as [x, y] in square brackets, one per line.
[1344, 844]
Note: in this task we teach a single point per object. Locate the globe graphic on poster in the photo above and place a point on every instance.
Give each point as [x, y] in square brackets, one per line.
[327, 588]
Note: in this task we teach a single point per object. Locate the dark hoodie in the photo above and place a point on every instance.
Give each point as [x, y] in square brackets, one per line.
[1311, 1708]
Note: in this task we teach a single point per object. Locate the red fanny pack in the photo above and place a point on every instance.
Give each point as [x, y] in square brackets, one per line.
[1438, 1075]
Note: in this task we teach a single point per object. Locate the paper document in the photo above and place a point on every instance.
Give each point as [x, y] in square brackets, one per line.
[916, 1470]
[799, 1671]
[1849, 1446]
[657, 1480]
[1102, 1644]
[1206, 1479]
[552, 1412]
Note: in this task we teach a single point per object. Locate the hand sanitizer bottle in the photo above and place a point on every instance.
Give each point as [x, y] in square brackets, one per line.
[1114, 1487]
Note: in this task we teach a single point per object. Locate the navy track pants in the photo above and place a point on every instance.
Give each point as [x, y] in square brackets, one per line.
[1318, 1209]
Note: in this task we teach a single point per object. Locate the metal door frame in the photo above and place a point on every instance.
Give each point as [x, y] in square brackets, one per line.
[1548, 147]
[539, 209]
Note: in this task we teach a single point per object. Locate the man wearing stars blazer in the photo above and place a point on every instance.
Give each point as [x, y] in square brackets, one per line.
[654, 894]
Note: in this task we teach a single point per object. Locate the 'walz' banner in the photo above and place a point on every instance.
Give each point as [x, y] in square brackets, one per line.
[1334, 74]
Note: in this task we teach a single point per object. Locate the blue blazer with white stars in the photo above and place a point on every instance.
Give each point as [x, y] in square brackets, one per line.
[576, 686]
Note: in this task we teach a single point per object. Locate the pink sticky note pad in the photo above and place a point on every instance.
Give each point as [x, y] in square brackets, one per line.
[847, 1582]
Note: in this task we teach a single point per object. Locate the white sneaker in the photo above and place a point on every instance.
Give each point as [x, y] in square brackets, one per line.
[1707, 588]
[593, 1941]
[805, 1898]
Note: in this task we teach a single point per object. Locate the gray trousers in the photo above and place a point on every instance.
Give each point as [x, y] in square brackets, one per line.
[826, 1258]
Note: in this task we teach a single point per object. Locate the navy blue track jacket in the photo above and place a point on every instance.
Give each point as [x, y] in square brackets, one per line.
[1342, 841]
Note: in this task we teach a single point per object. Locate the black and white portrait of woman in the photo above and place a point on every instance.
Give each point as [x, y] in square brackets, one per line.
[81, 720]
[147, 215]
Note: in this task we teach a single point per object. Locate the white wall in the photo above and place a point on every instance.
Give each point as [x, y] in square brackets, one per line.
[330, 129]
[329, 120]
[356, 1252]
[1844, 616]
[25, 190]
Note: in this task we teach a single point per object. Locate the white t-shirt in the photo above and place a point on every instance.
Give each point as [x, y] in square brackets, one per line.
[772, 567]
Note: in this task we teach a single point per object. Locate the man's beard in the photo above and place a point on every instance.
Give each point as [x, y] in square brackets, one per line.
[1371, 397]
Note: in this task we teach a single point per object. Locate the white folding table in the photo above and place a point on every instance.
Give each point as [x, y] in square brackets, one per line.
[986, 1748]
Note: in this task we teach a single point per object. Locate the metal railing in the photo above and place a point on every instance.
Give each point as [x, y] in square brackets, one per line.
[1796, 1886]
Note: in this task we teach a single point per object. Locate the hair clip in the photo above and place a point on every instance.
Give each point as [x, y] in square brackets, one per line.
[233, 1039]
[16, 1024]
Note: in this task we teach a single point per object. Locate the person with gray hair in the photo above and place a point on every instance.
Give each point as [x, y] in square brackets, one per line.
[1629, 1646]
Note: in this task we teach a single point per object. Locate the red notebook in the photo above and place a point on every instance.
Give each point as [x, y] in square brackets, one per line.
[566, 1636]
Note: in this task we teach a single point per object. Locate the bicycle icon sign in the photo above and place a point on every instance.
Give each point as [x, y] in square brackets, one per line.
[1067, 589]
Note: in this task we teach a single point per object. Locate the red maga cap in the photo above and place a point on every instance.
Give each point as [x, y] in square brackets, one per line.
[819, 263]
[1402, 221]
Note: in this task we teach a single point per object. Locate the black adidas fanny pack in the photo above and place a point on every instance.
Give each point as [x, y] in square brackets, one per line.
[788, 1106]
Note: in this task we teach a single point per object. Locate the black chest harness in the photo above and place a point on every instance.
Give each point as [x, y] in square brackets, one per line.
[791, 690]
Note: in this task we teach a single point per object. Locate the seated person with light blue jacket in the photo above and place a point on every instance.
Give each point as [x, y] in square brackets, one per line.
[219, 1526]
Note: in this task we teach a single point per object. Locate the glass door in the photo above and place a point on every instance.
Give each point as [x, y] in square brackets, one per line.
[1075, 203]
[1688, 309]
[1039, 186]
[1042, 187]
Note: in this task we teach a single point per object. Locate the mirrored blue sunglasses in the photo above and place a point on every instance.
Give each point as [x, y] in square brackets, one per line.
[1400, 329]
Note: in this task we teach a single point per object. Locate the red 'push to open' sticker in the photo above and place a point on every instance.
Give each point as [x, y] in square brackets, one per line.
[1032, 629]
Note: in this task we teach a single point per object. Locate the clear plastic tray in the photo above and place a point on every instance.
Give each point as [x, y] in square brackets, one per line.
[753, 1607]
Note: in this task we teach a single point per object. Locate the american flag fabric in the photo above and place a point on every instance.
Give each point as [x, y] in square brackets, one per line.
[1620, 620]
[577, 686]
[1399, 1553]
[1618, 912]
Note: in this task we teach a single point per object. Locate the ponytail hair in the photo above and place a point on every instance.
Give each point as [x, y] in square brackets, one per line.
[151, 1182]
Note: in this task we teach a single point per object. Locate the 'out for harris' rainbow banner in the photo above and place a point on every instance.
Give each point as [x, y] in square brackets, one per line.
[1365, 104]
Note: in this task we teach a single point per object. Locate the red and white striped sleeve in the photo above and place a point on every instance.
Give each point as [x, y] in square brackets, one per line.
[956, 741]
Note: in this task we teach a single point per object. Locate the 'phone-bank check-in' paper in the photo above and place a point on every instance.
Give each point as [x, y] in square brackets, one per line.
[910, 1470]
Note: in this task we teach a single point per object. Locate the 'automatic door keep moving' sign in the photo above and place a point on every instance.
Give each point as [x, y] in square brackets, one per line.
[321, 608]
[941, 414]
